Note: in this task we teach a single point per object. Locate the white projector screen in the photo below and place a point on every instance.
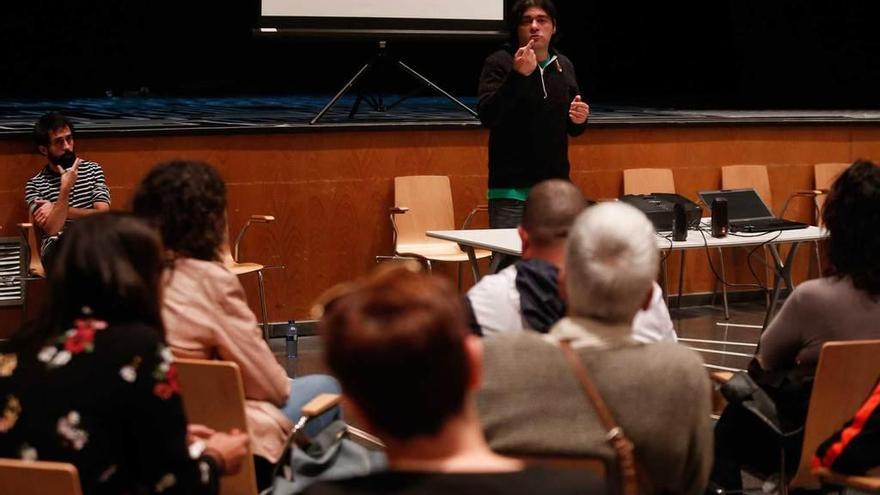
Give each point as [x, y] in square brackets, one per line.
[383, 18]
[484, 10]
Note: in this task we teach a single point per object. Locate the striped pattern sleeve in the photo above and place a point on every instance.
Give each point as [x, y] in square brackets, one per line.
[90, 187]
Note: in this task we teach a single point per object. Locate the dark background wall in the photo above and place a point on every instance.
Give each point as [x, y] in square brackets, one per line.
[723, 53]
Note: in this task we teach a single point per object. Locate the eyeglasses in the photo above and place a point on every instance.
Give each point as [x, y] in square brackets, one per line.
[542, 20]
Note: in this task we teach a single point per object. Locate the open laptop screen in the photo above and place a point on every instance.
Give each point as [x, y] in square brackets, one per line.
[742, 204]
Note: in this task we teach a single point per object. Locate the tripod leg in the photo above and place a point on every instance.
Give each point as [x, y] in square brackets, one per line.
[433, 86]
[341, 93]
[356, 106]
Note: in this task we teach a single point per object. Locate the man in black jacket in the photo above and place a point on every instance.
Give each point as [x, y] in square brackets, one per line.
[531, 102]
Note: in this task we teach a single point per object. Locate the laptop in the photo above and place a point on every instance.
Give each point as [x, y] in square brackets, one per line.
[747, 212]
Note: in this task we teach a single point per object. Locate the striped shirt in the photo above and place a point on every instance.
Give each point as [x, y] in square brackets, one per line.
[88, 189]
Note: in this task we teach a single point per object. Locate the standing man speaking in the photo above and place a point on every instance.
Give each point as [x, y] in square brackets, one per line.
[530, 101]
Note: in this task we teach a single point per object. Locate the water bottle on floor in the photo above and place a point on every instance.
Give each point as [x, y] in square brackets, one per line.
[291, 339]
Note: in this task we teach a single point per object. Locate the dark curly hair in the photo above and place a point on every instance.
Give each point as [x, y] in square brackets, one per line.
[851, 215]
[110, 263]
[186, 202]
[49, 122]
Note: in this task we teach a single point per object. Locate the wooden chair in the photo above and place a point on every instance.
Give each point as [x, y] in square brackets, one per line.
[655, 180]
[824, 175]
[756, 176]
[213, 395]
[845, 375]
[35, 270]
[423, 203]
[648, 180]
[231, 261]
[593, 464]
[38, 478]
[861, 484]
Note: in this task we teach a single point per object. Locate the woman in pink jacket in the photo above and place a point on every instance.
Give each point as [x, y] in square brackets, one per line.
[204, 308]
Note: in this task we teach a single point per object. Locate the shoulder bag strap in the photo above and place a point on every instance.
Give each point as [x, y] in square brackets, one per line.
[618, 440]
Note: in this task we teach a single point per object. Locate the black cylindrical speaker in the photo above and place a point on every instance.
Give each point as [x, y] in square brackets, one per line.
[679, 223]
[719, 217]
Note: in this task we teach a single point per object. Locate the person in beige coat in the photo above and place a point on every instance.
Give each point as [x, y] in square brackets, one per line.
[532, 404]
[204, 307]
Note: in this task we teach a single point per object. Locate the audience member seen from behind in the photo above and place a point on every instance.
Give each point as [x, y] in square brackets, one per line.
[92, 383]
[65, 189]
[204, 306]
[526, 295]
[659, 393]
[399, 345]
[843, 305]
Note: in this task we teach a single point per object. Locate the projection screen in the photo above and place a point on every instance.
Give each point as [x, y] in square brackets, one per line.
[383, 18]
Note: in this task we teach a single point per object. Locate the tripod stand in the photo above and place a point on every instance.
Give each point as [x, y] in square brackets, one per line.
[377, 102]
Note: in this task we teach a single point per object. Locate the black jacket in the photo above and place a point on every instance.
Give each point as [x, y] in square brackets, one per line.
[528, 138]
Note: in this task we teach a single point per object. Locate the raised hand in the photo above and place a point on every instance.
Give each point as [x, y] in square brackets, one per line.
[68, 177]
[524, 60]
[578, 111]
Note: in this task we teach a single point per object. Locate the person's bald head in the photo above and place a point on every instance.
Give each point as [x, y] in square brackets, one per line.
[550, 211]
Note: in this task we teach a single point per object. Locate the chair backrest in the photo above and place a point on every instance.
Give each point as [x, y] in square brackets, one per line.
[742, 176]
[594, 465]
[213, 395]
[429, 199]
[648, 180]
[845, 375]
[38, 478]
[824, 175]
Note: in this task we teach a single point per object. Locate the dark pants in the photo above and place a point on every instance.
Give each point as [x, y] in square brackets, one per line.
[48, 254]
[504, 214]
[742, 440]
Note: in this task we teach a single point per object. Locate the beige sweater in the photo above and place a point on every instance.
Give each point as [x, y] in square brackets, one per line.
[206, 316]
[531, 404]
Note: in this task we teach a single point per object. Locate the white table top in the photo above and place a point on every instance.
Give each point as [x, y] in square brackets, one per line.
[507, 240]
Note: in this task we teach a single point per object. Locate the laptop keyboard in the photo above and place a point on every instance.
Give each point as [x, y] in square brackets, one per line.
[767, 225]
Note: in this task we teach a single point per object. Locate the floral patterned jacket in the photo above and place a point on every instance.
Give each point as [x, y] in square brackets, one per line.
[106, 399]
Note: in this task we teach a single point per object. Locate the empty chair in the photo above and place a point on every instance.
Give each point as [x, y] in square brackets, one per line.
[655, 180]
[231, 260]
[741, 177]
[648, 180]
[423, 203]
[824, 175]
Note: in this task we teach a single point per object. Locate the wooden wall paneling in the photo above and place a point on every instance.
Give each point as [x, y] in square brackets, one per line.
[331, 190]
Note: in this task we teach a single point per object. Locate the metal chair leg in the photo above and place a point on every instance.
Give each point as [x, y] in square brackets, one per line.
[23, 302]
[680, 279]
[265, 312]
[664, 282]
[723, 285]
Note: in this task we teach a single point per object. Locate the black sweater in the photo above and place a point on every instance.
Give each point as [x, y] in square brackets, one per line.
[528, 138]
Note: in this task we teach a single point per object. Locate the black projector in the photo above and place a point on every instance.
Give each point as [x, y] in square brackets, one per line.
[659, 209]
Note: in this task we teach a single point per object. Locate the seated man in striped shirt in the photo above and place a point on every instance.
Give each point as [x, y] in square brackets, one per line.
[65, 189]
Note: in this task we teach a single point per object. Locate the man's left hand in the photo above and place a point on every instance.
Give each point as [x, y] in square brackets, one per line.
[578, 111]
[41, 214]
